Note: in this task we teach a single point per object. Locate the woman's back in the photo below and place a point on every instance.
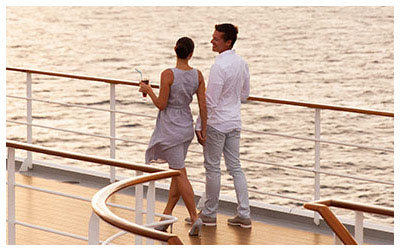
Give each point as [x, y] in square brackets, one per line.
[183, 88]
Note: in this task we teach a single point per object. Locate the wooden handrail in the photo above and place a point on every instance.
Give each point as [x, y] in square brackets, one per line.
[333, 222]
[99, 206]
[75, 76]
[355, 206]
[83, 157]
[251, 98]
[322, 106]
[322, 207]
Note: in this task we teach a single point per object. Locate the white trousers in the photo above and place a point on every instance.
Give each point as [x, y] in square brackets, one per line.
[228, 144]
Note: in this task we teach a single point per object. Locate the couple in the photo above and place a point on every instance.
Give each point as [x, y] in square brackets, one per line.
[217, 129]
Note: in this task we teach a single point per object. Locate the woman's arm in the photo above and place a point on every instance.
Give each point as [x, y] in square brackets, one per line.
[167, 78]
[201, 99]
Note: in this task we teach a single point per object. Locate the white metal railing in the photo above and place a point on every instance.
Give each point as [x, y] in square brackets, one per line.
[317, 139]
[94, 230]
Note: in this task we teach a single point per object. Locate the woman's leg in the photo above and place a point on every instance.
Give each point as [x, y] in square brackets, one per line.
[186, 191]
[173, 197]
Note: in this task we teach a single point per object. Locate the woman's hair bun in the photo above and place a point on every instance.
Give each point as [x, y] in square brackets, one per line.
[184, 47]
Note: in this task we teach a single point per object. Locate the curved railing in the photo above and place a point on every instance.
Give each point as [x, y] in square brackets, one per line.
[99, 200]
[322, 207]
[100, 208]
[316, 170]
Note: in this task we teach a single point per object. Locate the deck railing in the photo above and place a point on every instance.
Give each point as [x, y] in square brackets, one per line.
[322, 207]
[99, 201]
[112, 136]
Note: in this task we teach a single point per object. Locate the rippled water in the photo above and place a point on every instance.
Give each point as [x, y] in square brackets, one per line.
[331, 55]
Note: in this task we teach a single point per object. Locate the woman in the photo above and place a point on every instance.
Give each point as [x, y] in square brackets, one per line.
[174, 126]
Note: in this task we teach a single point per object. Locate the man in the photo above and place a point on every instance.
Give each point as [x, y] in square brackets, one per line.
[228, 85]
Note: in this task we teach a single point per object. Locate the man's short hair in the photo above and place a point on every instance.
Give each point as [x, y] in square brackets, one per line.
[230, 31]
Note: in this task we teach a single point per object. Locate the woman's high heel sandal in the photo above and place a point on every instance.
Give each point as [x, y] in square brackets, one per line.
[196, 228]
[162, 227]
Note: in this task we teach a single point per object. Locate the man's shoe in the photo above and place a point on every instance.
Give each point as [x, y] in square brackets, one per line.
[207, 221]
[237, 221]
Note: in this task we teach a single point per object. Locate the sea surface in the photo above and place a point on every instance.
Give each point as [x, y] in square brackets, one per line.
[331, 55]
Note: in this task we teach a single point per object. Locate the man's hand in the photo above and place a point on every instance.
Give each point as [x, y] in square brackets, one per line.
[201, 137]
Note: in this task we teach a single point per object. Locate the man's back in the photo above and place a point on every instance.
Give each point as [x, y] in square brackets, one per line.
[228, 84]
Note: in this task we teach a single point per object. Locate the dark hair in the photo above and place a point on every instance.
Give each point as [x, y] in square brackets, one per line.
[184, 46]
[230, 32]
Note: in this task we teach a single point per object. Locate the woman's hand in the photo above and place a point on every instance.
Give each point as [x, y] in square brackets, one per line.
[201, 137]
[144, 88]
[167, 78]
[201, 97]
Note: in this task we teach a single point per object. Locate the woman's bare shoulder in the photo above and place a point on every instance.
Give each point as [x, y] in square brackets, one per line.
[167, 75]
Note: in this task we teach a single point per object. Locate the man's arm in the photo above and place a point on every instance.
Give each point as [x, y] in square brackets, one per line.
[213, 92]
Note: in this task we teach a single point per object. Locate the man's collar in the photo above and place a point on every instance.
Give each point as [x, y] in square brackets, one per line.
[226, 52]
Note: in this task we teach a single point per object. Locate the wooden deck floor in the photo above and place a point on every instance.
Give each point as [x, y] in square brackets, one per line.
[66, 214]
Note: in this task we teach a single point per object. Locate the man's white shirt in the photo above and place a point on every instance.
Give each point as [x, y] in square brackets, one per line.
[228, 85]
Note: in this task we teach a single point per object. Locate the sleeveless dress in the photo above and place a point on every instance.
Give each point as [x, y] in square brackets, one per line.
[174, 130]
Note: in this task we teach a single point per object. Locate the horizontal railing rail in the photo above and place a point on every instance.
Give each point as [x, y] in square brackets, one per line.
[322, 106]
[251, 98]
[356, 206]
[322, 207]
[83, 157]
[75, 76]
[100, 201]
[81, 106]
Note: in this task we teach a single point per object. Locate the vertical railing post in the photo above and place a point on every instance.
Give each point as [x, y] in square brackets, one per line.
[138, 208]
[359, 228]
[150, 208]
[94, 230]
[112, 130]
[317, 124]
[11, 196]
[27, 164]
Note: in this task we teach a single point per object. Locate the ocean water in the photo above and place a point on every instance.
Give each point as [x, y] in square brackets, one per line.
[330, 55]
